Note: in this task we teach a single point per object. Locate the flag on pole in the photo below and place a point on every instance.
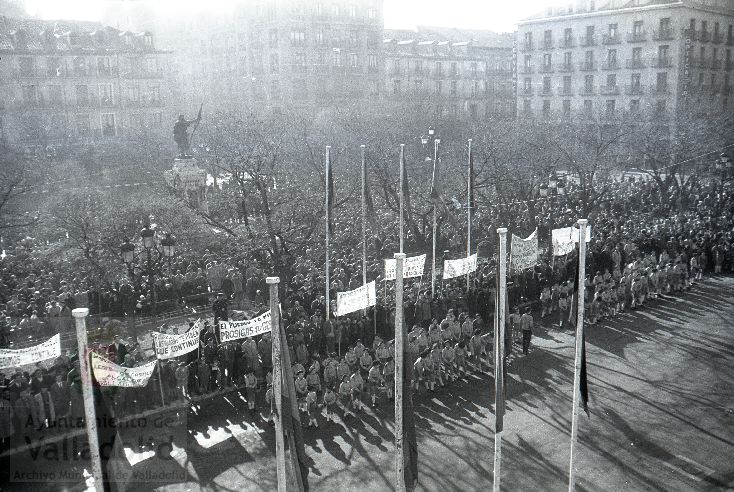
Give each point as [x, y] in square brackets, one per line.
[435, 196]
[472, 203]
[584, 387]
[406, 188]
[369, 205]
[410, 444]
[331, 191]
[292, 418]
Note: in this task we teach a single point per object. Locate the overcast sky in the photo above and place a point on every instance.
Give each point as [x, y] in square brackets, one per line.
[495, 15]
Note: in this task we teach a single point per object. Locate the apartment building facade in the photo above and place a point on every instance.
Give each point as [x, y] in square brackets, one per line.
[622, 57]
[77, 82]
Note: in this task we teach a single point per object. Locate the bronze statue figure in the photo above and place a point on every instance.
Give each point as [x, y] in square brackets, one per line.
[181, 136]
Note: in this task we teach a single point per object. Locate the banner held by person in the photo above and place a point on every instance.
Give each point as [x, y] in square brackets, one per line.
[170, 346]
[414, 267]
[563, 243]
[108, 373]
[457, 268]
[524, 252]
[234, 330]
[354, 300]
[50, 349]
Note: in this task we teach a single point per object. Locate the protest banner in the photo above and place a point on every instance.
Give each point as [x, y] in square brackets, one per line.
[562, 241]
[234, 330]
[354, 300]
[108, 373]
[524, 252]
[413, 267]
[170, 346]
[457, 268]
[50, 349]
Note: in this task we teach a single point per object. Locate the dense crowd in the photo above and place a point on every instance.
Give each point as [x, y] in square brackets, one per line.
[639, 251]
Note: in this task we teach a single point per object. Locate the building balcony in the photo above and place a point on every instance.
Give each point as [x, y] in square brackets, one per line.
[634, 90]
[108, 72]
[635, 64]
[609, 90]
[636, 37]
[545, 69]
[587, 66]
[586, 91]
[587, 40]
[566, 67]
[526, 46]
[567, 43]
[610, 39]
[546, 44]
[610, 65]
[703, 36]
[662, 62]
[717, 38]
[545, 91]
[662, 35]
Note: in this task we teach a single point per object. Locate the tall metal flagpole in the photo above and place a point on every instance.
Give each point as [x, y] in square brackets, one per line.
[328, 232]
[364, 216]
[277, 381]
[90, 417]
[400, 192]
[469, 192]
[436, 143]
[579, 346]
[399, 355]
[499, 354]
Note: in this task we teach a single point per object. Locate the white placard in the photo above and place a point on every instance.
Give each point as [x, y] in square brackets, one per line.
[170, 346]
[50, 349]
[108, 373]
[234, 330]
[562, 241]
[412, 267]
[524, 252]
[575, 234]
[457, 268]
[354, 300]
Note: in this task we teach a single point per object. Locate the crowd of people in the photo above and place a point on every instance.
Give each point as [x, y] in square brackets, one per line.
[639, 251]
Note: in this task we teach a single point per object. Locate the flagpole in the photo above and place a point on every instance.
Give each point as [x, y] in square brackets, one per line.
[400, 193]
[160, 382]
[364, 220]
[90, 417]
[499, 355]
[436, 143]
[469, 192]
[277, 381]
[581, 288]
[328, 171]
[399, 355]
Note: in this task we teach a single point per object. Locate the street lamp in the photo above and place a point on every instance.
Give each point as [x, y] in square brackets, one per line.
[169, 246]
[148, 236]
[128, 251]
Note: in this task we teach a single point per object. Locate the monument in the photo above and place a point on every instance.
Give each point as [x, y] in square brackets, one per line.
[186, 178]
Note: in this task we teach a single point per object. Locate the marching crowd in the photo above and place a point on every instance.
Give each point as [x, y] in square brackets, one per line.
[636, 254]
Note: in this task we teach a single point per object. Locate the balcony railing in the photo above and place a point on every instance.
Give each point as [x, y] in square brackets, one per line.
[545, 91]
[609, 90]
[565, 67]
[610, 39]
[565, 91]
[662, 62]
[636, 37]
[610, 65]
[635, 63]
[567, 43]
[586, 91]
[717, 38]
[703, 36]
[662, 34]
[545, 69]
[633, 90]
[588, 40]
[587, 66]
[547, 44]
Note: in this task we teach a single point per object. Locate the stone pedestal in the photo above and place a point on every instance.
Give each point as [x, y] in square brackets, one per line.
[188, 180]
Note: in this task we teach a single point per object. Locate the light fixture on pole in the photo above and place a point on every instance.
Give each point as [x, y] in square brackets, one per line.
[128, 251]
[147, 235]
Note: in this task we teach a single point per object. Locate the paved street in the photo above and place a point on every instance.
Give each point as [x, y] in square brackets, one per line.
[662, 418]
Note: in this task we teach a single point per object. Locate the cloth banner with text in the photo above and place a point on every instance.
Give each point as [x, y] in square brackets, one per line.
[108, 373]
[457, 268]
[170, 346]
[354, 300]
[234, 330]
[50, 349]
[412, 267]
[524, 252]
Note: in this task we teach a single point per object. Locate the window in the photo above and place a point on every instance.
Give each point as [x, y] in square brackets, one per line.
[104, 68]
[81, 122]
[353, 38]
[105, 95]
[154, 93]
[613, 31]
[54, 67]
[418, 67]
[417, 85]
[635, 82]
[589, 59]
[396, 87]
[108, 124]
[454, 88]
[155, 120]
[474, 70]
[662, 82]
[79, 65]
[566, 108]
[665, 24]
[82, 96]
[473, 110]
[567, 59]
[612, 58]
[528, 62]
[567, 36]
[567, 84]
[588, 106]
[319, 9]
[612, 80]
[352, 11]
[660, 106]
[372, 62]
[274, 90]
[548, 38]
[526, 106]
[274, 64]
[546, 85]
[273, 38]
[336, 58]
[133, 94]
[319, 36]
[353, 61]
[610, 107]
[589, 83]
[371, 13]
[335, 10]
[528, 39]
[475, 88]
[546, 107]
[704, 26]
[663, 55]
[547, 61]
[637, 56]
[700, 78]
[637, 29]
[454, 68]
[298, 38]
[439, 69]
[635, 106]
[26, 66]
[439, 87]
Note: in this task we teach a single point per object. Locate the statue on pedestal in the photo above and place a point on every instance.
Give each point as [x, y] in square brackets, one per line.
[181, 136]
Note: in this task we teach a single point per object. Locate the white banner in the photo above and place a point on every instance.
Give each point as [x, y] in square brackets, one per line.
[457, 268]
[108, 373]
[524, 252]
[575, 234]
[562, 241]
[170, 346]
[354, 300]
[412, 267]
[234, 330]
[50, 349]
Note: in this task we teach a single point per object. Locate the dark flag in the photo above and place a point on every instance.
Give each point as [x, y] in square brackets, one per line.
[410, 445]
[471, 180]
[436, 183]
[405, 189]
[292, 418]
[584, 386]
[368, 198]
[331, 190]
